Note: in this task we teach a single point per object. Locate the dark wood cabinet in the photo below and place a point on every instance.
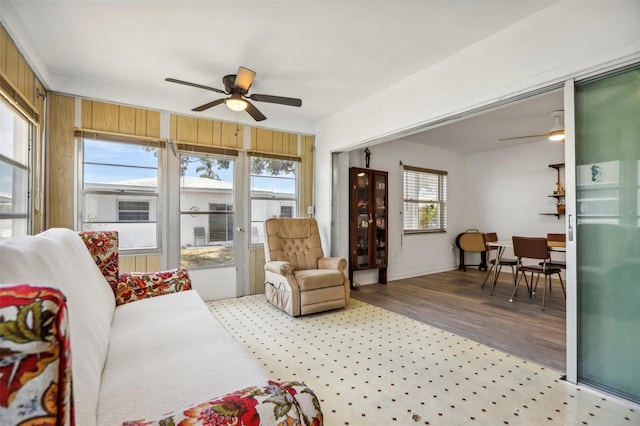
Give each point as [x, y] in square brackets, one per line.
[368, 219]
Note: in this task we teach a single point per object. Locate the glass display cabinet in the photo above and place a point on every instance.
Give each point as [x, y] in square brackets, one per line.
[368, 219]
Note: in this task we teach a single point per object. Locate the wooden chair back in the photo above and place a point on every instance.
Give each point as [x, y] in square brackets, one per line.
[490, 237]
[531, 247]
[557, 240]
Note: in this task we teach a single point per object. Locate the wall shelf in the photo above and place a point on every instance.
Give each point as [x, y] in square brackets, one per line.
[558, 197]
[552, 214]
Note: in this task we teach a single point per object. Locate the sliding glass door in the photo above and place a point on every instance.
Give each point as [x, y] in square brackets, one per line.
[608, 232]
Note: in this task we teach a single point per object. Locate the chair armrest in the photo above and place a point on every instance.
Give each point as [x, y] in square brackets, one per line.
[279, 267]
[339, 263]
[134, 286]
[35, 360]
[277, 403]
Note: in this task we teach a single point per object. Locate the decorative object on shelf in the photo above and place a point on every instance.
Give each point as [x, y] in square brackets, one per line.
[561, 207]
[368, 220]
[367, 157]
[558, 194]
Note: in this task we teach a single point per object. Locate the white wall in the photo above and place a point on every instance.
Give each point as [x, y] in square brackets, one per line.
[501, 191]
[561, 42]
[419, 254]
[507, 189]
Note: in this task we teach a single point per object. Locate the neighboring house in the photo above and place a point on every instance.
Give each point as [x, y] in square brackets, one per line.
[198, 195]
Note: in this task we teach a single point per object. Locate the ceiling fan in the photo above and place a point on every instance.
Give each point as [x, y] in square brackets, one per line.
[237, 85]
[555, 134]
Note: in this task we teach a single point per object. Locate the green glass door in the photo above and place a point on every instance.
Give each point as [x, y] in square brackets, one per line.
[608, 232]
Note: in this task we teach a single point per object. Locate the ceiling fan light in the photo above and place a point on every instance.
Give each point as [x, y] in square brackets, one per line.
[236, 103]
[556, 133]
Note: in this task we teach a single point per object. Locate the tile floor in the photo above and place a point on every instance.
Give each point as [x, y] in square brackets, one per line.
[370, 366]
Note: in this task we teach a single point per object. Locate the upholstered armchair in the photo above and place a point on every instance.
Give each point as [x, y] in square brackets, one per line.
[298, 278]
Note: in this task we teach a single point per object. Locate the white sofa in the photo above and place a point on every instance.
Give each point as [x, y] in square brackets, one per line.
[147, 359]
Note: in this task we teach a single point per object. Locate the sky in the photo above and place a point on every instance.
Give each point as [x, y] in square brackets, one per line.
[142, 162]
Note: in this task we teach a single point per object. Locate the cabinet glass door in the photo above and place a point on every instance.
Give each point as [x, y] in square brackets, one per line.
[380, 210]
[362, 192]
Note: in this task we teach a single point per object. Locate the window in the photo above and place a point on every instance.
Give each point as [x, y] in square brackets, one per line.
[221, 226]
[425, 200]
[120, 191]
[15, 208]
[286, 211]
[133, 211]
[274, 184]
[206, 211]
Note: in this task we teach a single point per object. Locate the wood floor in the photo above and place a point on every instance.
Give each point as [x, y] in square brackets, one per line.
[454, 301]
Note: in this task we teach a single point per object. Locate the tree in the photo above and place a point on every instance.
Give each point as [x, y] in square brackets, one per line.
[271, 166]
[427, 215]
[206, 169]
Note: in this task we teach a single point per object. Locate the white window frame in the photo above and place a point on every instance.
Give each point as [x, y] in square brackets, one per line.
[150, 196]
[13, 162]
[258, 240]
[413, 200]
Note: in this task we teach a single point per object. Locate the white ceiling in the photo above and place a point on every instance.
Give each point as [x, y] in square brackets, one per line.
[331, 54]
[482, 132]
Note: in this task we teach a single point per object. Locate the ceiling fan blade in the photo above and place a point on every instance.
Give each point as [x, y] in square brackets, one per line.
[199, 86]
[525, 137]
[244, 78]
[255, 112]
[277, 100]
[208, 105]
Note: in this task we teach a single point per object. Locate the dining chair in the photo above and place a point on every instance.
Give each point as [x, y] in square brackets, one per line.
[559, 240]
[534, 249]
[491, 237]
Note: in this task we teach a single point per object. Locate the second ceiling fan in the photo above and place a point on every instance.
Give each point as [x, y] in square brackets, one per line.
[237, 86]
[555, 134]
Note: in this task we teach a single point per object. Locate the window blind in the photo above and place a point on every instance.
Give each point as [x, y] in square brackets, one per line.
[425, 200]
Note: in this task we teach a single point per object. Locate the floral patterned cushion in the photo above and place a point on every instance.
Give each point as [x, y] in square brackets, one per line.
[35, 356]
[289, 403]
[103, 246]
[131, 286]
[134, 286]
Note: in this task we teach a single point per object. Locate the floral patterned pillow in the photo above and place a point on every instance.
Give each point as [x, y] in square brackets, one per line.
[142, 285]
[35, 356]
[289, 403]
[103, 246]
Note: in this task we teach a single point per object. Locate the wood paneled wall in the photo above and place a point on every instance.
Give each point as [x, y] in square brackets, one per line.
[256, 270]
[274, 142]
[210, 133]
[307, 149]
[17, 71]
[121, 119]
[61, 162]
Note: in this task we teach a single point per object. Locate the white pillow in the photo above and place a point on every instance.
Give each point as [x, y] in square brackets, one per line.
[59, 258]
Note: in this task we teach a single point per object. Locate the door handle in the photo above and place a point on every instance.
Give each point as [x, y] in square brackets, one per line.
[570, 226]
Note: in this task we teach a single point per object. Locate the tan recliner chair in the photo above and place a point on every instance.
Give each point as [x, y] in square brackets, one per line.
[298, 278]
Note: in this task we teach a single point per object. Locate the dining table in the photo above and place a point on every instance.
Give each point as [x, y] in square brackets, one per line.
[501, 245]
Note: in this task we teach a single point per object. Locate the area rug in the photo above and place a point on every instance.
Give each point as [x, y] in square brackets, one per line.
[370, 366]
